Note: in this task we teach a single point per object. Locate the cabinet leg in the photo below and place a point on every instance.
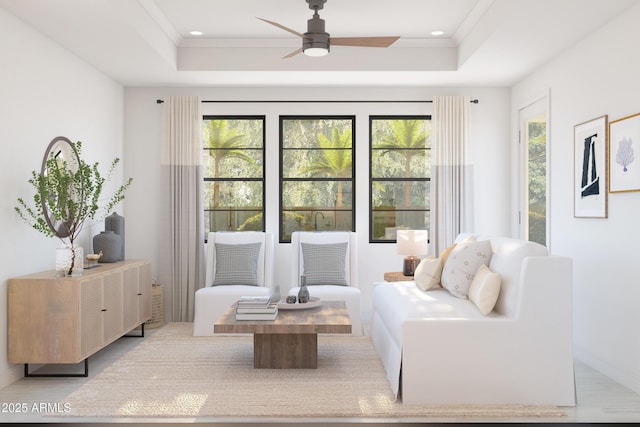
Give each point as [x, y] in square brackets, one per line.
[137, 336]
[84, 374]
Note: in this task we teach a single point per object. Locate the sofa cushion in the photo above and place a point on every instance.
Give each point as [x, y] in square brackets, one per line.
[324, 264]
[236, 264]
[428, 273]
[462, 264]
[396, 302]
[484, 289]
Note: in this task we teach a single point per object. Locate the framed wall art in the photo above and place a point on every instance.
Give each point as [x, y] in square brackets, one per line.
[590, 168]
[624, 154]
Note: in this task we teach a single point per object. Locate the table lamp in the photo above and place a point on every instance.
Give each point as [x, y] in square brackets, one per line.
[412, 243]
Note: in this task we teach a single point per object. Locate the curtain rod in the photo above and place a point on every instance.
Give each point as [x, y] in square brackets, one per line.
[473, 101]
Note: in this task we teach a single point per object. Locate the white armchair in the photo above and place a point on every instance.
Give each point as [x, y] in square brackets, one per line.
[242, 272]
[328, 289]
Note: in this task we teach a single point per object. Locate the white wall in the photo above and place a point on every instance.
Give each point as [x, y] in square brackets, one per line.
[598, 76]
[489, 127]
[45, 92]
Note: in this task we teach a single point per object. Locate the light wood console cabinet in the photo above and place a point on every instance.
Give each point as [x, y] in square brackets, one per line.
[67, 319]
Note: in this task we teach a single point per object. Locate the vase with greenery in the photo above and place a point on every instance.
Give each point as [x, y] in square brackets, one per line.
[69, 193]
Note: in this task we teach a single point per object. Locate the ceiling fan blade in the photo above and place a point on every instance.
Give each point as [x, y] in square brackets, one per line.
[363, 41]
[294, 53]
[282, 27]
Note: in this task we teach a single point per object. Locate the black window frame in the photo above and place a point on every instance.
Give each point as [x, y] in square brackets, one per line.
[373, 179]
[352, 180]
[263, 118]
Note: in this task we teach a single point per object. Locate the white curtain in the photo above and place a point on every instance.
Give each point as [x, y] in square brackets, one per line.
[182, 217]
[451, 171]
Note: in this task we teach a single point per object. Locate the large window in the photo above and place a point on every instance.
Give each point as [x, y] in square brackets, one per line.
[233, 159]
[400, 175]
[316, 174]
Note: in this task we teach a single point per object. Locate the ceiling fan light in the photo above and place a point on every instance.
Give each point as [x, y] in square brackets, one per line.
[315, 44]
[316, 51]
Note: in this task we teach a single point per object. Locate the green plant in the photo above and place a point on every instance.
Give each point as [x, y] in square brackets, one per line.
[223, 143]
[408, 139]
[70, 195]
[335, 160]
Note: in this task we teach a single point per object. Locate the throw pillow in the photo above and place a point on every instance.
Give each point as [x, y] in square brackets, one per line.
[446, 252]
[428, 272]
[237, 264]
[462, 264]
[324, 264]
[444, 255]
[484, 289]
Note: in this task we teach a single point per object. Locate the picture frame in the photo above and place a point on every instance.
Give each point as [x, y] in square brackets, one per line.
[590, 145]
[624, 154]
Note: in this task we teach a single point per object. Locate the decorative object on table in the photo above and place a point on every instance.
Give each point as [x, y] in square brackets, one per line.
[303, 293]
[109, 244]
[311, 303]
[115, 223]
[590, 168]
[291, 299]
[257, 316]
[624, 154]
[275, 295]
[256, 308]
[254, 304]
[67, 191]
[92, 260]
[69, 261]
[412, 243]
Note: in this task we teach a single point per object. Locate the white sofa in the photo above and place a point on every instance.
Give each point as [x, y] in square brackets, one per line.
[212, 301]
[449, 353]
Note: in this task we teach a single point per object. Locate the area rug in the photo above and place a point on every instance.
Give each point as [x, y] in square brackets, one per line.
[173, 374]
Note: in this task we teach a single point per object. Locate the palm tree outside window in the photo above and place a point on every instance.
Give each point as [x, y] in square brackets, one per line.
[316, 174]
[234, 173]
[400, 175]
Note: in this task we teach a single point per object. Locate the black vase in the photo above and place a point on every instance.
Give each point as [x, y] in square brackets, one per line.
[110, 244]
[303, 293]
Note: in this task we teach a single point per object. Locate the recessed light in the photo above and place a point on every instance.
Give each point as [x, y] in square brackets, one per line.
[437, 33]
[196, 33]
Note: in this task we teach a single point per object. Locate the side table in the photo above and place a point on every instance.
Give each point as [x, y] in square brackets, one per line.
[396, 276]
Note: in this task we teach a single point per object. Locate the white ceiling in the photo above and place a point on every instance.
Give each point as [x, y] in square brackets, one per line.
[147, 42]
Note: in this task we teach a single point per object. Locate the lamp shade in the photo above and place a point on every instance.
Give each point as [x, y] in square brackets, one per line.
[412, 242]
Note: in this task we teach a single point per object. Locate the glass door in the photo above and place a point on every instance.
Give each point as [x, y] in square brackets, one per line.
[534, 162]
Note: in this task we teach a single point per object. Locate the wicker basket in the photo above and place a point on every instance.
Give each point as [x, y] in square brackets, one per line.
[157, 314]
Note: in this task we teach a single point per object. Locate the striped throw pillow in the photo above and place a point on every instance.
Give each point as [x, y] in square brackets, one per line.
[237, 264]
[324, 264]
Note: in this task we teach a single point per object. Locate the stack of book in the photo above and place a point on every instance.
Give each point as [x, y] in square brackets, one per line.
[256, 308]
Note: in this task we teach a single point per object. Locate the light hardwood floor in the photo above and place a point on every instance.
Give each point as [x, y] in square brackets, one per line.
[600, 400]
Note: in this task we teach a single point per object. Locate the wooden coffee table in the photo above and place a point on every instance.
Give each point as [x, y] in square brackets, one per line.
[290, 341]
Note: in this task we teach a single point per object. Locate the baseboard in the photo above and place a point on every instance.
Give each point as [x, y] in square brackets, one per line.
[628, 379]
[10, 375]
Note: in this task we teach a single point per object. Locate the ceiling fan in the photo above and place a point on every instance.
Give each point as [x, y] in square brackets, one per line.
[316, 41]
